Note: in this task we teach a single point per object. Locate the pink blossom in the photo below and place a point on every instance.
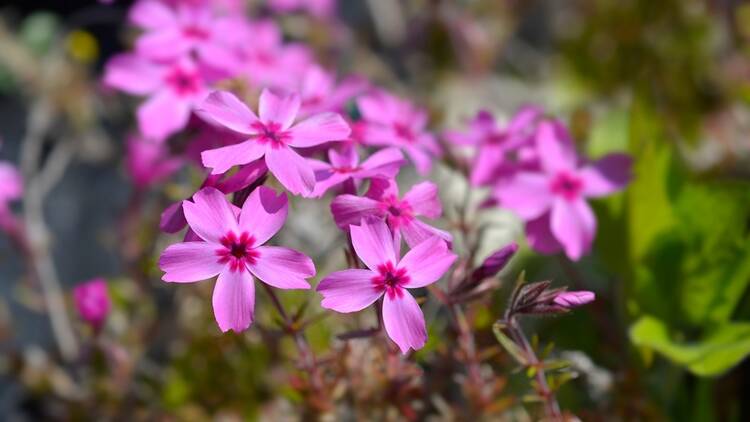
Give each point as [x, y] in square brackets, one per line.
[149, 162]
[11, 189]
[92, 301]
[174, 32]
[494, 144]
[574, 299]
[382, 201]
[392, 121]
[173, 90]
[231, 247]
[319, 90]
[272, 135]
[388, 276]
[345, 167]
[552, 200]
[318, 8]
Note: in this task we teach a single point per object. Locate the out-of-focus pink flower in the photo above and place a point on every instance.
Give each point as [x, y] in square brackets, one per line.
[11, 189]
[272, 135]
[173, 90]
[382, 201]
[388, 276]
[553, 200]
[92, 301]
[320, 92]
[575, 299]
[493, 144]
[222, 7]
[173, 32]
[392, 121]
[344, 166]
[319, 8]
[231, 248]
[149, 162]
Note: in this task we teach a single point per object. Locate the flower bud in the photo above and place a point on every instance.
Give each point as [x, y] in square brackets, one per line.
[92, 301]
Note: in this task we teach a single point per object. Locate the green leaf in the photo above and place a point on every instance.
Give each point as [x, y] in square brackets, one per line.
[720, 350]
[509, 345]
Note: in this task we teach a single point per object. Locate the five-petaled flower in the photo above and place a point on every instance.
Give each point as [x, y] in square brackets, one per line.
[552, 200]
[231, 248]
[272, 135]
[388, 276]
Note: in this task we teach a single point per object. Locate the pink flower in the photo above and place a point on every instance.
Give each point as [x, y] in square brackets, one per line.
[173, 90]
[388, 276]
[267, 61]
[553, 200]
[345, 167]
[571, 300]
[230, 247]
[494, 144]
[382, 201]
[92, 301]
[11, 189]
[148, 162]
[392, 121]
[320, 92]
[174, 32]
[272, 135]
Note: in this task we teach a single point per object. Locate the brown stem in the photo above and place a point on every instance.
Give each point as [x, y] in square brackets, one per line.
[468, 345]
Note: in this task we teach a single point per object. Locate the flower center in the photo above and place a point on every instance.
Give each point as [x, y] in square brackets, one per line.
[404, 132]
[495, 138]
[390, 279]
[344, 169]
[567, 185]
[184, 82]
[397, 212]
[271, 134]
[237, 251]
[195, 32]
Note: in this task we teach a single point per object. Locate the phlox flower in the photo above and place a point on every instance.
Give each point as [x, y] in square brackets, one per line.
[92, 301]
[319, 90]
[388, 276]
[173, 90]
[552, 200]
[344, 167]
[272, 135]
[392, 121]
[231, 247]
[148, 162]
[382, 201]
[570, 300]
[495, 144]
[11, 189]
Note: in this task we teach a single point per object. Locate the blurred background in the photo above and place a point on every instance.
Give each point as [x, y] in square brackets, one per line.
[667, 81]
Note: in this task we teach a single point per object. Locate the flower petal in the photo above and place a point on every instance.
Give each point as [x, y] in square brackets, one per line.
[423, 199]
[291, 170]
[151, 14]
[225, 109]
[281, 109]
[555, 147]
[162, 115]
[373, 242]
[540, 237]
[189, 261]
[421, 159]
[219, 160]
[404, 321]
[163, 45]
[350, 209]
[132, 74]
[282, 268]
[263, 214]
[384, 163]
[607, 175]
[210, 215]
[417, 231]
[348, 290]
[318, 129]
[527, 194]
[574, 226]
[427, 262]
[234, 300]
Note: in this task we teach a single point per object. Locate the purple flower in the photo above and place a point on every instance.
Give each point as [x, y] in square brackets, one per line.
[552, 200]
[11, 189]
[575, 299]
[272, 135]
[345, 166]
[319, 90]
[392, 121]
[382, 201]
[231, 247]
[388, 276]
[148, 162]
[92, 301]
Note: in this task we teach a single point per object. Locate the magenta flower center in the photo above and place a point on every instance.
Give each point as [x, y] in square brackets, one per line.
[184, 82]
[345, 169]
[270, 133]
[391, 280]
[237, 251]
[567, 185]
[495, 138]
[397, 212]
[195, 32]
[403, 131]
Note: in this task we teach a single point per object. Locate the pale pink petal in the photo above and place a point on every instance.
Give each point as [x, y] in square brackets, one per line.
[378, 107]
[373, 242]
[462, 138]
[427, 262]
[219, 160]
[384, 163]
[404, 321]
[318, 129]
[540, 237]
[607, 175]
[574, 226]
[556, 150]
[218, 56]
[11, 182]
[166, 44]
[422, 161]
[227, 110]
[133, 74]
[291, 170]
[190, 261]
[234, 300]
[348, 290]
[350, 209]
[343, 157]
[524, 118]
[416, 232]
[325, 180]
[423, 199]
[210, 215]
[162, 115]
[281, 109]
[528, 195]
[152, 14]
[486, 163]
[263, 214]
[282, 268]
